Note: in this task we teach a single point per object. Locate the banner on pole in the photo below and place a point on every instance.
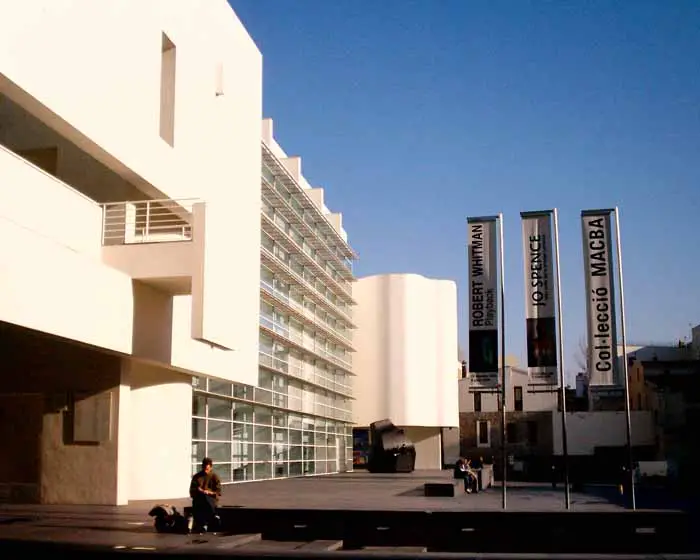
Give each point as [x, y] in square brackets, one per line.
[483, 302]
[540, 308]
[600, 296]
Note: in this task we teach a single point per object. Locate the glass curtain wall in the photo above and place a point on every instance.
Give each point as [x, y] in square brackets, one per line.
[249, 440]
[297, 421]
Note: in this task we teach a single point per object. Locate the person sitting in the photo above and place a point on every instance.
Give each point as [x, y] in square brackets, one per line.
[459, 470]
[205, 491]
[471, 480]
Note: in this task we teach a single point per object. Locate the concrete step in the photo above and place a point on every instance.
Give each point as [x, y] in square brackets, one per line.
[235, 541]
[322, 546]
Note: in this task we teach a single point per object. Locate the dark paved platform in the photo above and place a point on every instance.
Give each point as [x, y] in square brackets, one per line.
[365, 491]
[364, 514]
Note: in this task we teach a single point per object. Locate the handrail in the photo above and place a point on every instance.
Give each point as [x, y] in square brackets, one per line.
[313, 317]
[289, 334]
[309, 375]
[147, 221]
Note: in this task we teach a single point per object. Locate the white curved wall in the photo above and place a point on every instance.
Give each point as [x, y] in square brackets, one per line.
[406, 342]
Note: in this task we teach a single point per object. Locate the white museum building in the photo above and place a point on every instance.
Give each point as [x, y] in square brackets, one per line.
[171, 285]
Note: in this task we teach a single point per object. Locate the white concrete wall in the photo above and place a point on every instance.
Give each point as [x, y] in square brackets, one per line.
[51, 276]
[406, 347]
[588, 430]
[428, 446]
[159, 441]
[515, 377]
[91, 71]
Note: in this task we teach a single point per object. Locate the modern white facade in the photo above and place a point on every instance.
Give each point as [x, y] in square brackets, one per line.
[132, 211]
[406, 348]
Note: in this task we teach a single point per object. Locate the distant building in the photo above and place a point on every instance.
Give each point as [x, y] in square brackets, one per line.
[528, 428]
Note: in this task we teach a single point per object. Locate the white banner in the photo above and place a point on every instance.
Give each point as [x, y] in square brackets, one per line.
[483, 302]
[600, 296]
[540, 308]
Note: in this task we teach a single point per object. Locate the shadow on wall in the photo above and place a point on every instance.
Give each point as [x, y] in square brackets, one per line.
[153, 323]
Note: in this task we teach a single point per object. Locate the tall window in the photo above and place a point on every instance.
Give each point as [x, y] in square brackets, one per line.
[482, 433]
[518, 397]
[168, 59]
[477, 402]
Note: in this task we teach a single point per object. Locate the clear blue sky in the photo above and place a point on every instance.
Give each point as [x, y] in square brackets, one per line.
[414, 114]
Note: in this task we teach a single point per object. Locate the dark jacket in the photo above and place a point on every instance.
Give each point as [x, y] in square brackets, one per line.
[205, 481]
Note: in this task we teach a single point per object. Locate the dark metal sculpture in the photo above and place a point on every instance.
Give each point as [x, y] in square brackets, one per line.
[390, 451]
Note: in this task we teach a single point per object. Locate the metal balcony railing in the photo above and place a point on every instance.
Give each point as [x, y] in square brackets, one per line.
[303, 342]
[332, 330]
[314, 376]
[147, 221]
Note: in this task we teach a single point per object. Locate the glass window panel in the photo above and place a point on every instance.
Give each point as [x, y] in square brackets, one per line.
[219, 430]
[243, 392]
[295, 437]
[263, 471]
[321, 467]
[199, 405]
[263, 415]
[263, 434]
[243, 412]
[280, 452]
[295, 453]
[242, 432]
[220, 387]
[295, 469]
[242, 452]
[266, 379]
[199, 451]
[266, 275]
[219, 451]
[198, 428]
[309, 467]
[263, 452]
[280, 436]
[224, 471]
[308, 453]
[278, 399]
[263, 396]
[219, 408]
[242, 472]
[321, 453]
[265, 344]
[281, 470]
[279, 418]
[308, 438]
[295, 421]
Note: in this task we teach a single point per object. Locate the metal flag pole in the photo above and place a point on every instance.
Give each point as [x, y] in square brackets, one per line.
[630, 459]
[562, 386]
[503, 363]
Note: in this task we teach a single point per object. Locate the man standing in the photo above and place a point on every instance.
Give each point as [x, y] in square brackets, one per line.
[205, 491]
